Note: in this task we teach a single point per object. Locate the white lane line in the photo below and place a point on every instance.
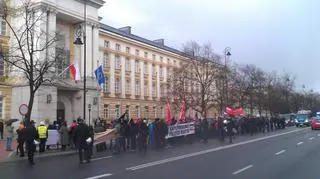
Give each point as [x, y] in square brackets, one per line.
[95, 159]
[318, 135]
[242, 170]
[311, 138]
[299, 143]
[167, 160]
[280, 152]
[100, 176]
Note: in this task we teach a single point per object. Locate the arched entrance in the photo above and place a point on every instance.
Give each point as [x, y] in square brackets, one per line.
[60, 112]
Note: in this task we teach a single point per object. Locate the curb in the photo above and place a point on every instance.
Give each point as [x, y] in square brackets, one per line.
[37, 155]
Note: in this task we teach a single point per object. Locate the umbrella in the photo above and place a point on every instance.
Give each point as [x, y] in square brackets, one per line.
[10, 121]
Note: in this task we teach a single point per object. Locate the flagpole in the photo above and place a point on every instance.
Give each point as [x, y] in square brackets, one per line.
[64, 71]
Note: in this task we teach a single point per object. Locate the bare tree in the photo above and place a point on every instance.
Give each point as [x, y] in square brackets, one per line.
[195, 81]
[31, 55]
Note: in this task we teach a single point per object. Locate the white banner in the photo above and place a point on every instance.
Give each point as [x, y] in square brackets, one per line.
[53, 137]
[181, 130]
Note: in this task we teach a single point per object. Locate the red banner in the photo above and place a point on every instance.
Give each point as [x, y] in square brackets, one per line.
[168, 112]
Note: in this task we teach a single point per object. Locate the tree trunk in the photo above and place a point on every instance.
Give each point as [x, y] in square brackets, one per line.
[30, 105]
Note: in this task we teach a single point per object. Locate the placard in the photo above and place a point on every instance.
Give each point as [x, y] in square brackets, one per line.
[181, 130]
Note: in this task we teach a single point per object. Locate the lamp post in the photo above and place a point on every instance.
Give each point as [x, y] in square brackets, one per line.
[227, 54]
[89, 108]
[79, 42]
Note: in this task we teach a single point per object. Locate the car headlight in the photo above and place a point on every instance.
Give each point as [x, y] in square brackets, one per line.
[297, 121]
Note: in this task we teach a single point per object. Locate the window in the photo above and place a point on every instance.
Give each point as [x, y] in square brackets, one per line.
[161, 91]
[117, 85]
[161, 71]
[1, 107]
[127, 64]
[106, 62]
[137, 66]
[154, 90]
[161, 59]
[174, 62]
[153, 57]
[137, 52]
[127, 49]
[146, 90]
[106, 85]
[106, 44]
[118, 47]
[168, 59]
[155, 111]
[106, 111]
[3, 27]
[138, 111]
[146, 108]
[117, 62]
[162, 112]
[137, 87]
[1, 68]
[154, 71]
[128, 87]
[145, 68]
[117, 111]
[128, 110]
[145, 54]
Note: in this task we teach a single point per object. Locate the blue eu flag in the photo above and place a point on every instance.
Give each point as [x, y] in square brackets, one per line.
[100, 76]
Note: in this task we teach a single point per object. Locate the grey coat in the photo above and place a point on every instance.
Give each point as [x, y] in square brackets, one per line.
[64, 135]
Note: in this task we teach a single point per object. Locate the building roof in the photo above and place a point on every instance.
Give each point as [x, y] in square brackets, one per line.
[140, 39]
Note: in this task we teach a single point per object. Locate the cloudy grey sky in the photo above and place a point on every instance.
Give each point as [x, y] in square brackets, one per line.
[281, 35]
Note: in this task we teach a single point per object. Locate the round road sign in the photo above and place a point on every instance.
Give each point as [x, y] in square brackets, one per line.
[23, 109]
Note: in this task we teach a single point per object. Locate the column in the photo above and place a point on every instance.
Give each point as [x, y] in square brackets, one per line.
[133, 79]
[112, 76]
[123, 76]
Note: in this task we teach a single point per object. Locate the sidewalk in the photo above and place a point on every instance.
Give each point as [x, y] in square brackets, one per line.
[4, 154]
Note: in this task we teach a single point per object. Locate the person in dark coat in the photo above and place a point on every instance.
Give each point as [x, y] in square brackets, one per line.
[20, 139]
[91, 133]
[133, 134]
[1, 128]
[142, 136]
[230, 126]
[220, 129]
[205, 130]
[163, 132]
[30, 135]
[82, 133]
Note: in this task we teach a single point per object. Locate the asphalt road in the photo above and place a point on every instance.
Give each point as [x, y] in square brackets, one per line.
[291, 153]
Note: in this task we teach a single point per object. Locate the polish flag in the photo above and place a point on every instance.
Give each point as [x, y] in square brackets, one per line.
[75, 71]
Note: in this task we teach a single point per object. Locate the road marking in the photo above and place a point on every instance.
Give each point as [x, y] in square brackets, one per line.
[311, 138]
[95, 159]
[242, 170]
[167, 160]
[299, 143]
[280, 152]
[100, 176]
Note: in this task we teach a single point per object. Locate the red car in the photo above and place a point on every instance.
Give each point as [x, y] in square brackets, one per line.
[315, 123]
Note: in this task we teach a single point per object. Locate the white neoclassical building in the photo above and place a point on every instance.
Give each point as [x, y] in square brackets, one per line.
[63, 98]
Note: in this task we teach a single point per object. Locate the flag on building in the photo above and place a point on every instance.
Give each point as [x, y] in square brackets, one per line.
[100, 76]
[75, 71]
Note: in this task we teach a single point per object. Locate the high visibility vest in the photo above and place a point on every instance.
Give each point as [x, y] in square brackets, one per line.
[42, 131]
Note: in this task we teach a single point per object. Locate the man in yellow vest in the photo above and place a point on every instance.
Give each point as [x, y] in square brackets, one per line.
[43, 136]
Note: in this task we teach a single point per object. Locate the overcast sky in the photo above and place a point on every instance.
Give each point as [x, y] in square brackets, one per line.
[281, 35]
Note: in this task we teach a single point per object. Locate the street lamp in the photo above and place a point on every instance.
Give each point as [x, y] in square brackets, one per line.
[227, 54]
[79, 42]
[89, 108]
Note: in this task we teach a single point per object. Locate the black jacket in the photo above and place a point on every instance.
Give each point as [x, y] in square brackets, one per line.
[1, 126]
[82, 133]
[30, 134]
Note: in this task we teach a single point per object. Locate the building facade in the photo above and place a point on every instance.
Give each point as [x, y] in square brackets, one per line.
[136, 72]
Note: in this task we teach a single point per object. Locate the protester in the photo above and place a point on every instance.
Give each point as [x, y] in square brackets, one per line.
[64, 135]
[82, 133]
[90, 144]
[30, 135]
[9, 136]
[20, 139]
[142, 136]
[1, 128]
[133, 134]
[43, 136]
[204, 130]
[72, 139]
